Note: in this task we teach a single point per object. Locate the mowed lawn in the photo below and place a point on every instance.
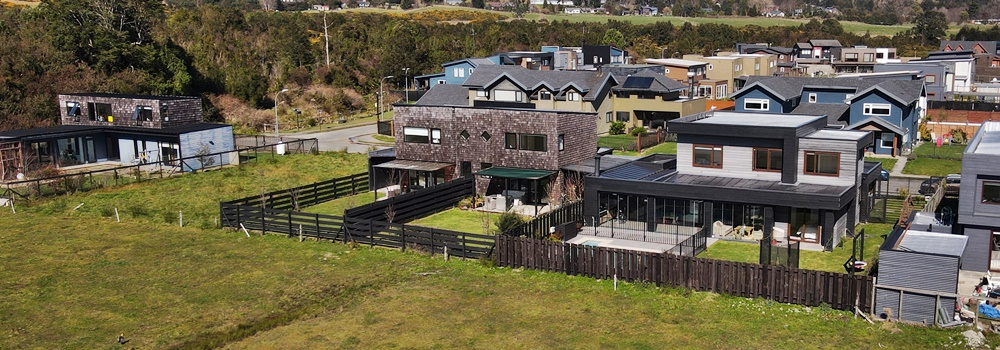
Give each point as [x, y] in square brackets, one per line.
[76, 279]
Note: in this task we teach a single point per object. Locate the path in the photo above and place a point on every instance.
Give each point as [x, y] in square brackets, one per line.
[355, 139]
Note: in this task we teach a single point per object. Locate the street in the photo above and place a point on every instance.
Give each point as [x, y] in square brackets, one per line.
[335, 140]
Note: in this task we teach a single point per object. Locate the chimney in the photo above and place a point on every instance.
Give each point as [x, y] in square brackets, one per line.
[597, 164]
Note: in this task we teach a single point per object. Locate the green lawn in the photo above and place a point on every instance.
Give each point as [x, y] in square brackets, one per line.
[824, 261]
[339, 205]
[887, 163]
[930, 150]
[456, 219]
[617, 142]
[384, 138]
[669, 147]
[932, 167]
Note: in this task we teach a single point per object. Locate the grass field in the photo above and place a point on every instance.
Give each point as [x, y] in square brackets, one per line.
[887, 163]
[930, 150]
[455, 219]
[855, 27]
[932, 167]
[75, 279]
[824, 261]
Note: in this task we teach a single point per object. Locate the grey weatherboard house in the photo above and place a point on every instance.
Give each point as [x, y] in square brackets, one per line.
[979, 199]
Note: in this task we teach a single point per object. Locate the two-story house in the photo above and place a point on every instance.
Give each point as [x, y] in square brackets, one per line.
[98, 127]
[960, 68]
[728, 72]
[815, 51]
[455, 72]
[785, 59]
[687, 72]
[979, 199]
[860, 58]
[765, 176]
[933, 75]
[891, 108]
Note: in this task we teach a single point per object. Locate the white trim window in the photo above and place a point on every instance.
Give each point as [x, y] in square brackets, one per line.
[756, 104]
[877, 109]
[417, 135]
[436, 136]
[572, 96]
[483, 93]
[458, 72]
[507, 95]
[888, 141]
[812, 97]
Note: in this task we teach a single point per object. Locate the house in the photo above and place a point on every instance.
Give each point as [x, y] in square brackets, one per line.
[774, 13]
[960, 66]
[647, 10]
[685, 71]
[891, 108]
[987, 55]
[320, 7]
[127, 129]
[781, 177]
[572, 11]
[932, 74]
[728, 71]
[599, 55]
[643, 98]
[512, 150]
[534, 60]
[455, 72]
[979, 199]
[785, 63]
[815, 51]
[860, 58]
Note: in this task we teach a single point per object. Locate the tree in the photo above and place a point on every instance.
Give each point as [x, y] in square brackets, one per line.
[930, 26]
[406, 4]
[479, 4]
[613, 37]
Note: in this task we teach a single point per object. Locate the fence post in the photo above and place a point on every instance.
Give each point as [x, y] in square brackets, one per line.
[371, 232]
[290, 228]
[465, 251]
[402, 236]
[263, 223]
[317, 227]
[238, 221]
[432, 242]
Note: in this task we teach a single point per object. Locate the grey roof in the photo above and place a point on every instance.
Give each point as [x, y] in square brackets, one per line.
[825, 43]
[987, 140]
[774, 50]
[134, 96]
[607, 162]
[765, 119]
[786, 88]
[835, 112]
[990, 46]
[830, 134]
[413, 165]
[803, 45]
[445, 95]
[881, 122]
[475, 62]
[903, 91]
[752, 184]
[931, 242]
[632, 171]
[62, 131]
[531, 80]
[659, 82]
[947, 55]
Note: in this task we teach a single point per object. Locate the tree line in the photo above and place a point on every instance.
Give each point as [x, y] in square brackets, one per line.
[146, 47]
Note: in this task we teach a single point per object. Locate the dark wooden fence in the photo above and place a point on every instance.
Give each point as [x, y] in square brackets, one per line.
[539, 226]
[417, 204]
[384, 127]
[309, 195]
[362, 231]
[778, 283]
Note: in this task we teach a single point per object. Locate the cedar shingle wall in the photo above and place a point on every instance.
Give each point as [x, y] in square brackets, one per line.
[179, 112]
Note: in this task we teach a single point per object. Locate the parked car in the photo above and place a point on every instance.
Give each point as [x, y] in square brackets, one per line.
[952, 184]
[929, 186]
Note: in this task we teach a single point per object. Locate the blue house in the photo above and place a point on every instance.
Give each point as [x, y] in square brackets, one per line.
[455, 72]
[890, 108]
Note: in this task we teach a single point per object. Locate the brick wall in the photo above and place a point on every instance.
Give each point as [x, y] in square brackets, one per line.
[578, 128]
[179, 111]
[943, 121]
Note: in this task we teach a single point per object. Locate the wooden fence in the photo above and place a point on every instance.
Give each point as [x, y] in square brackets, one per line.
[309, 195]
[539, 226]
[778, 283]
[361, 231]
[417, 204]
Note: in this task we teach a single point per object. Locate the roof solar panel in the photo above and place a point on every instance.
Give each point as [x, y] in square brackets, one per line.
[638, 82]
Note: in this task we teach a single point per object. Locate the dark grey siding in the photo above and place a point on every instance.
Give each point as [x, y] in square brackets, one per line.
[916, 307]
[977, 250]
[918, 271]
[970, 210]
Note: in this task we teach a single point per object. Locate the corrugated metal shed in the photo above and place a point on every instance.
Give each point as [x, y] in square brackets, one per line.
[922, 269]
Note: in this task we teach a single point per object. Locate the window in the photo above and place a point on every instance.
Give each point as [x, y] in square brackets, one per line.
[572, 96]
[486, 136]
[851, 57]
[720, 91]
[888, 140]
[72, 109]
[812, 98]
[483, 93]
[881, 109]
[416, 135]
[607, 117]
[822, 163]
[930, 78]
[545, 95]
[707, 156]
[507, 95]
[756, 104]
[869, 57]
[458, 72]
[436, 136]
[470, 71]
[441, 82]
[533, 142]
[879, 55]
[666, 70]
[99, 111]
[510, 140]
[143, 114]
[711, 67]
[561, 142]
[991, 192]
[624, 116]
[465, 169]
[464, 134]
[756, 66]
[767, 159]
[771, 64]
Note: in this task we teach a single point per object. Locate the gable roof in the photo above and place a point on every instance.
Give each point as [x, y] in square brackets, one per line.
[445, 95]
[647, 81]
[531, 80]
[474, 62]
[990, 46]
[675, 62]
[881, 122]
[787, 88]
[825, 43]
[903, 91]
[948, 55]
[833, 111]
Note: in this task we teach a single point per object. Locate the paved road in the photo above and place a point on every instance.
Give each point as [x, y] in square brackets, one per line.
[336, 140]
[895, 182]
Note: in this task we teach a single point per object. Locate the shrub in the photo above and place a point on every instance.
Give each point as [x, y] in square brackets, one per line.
[617, 128]
[638, 131]
[958, 136]
[509, 221]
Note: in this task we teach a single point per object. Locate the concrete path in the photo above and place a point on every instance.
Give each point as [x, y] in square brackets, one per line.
[355, 139]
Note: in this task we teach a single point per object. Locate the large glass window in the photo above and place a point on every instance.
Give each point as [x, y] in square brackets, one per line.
[416, 135]
[756, 104]
[991, 192]
[767, 159]
[879, 109]
[533, 142]
[708, 156]
[143, 114]
[822, 163]
[624, 116]
[805, 225]
[99, 111]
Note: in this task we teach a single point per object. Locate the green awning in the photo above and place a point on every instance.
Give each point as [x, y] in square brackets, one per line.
[515, 173]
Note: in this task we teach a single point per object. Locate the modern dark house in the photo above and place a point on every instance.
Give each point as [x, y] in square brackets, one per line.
[979, 199]
[764, 176]
[129, 129]
[889, 107]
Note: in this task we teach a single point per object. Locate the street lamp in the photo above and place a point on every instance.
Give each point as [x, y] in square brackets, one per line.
[406, 83]
[381, 98]
[678, 53]
[276, 134]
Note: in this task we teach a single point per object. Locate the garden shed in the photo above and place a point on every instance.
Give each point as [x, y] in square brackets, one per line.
[918, 276]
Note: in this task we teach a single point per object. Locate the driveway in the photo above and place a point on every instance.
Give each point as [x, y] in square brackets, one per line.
[335, 140]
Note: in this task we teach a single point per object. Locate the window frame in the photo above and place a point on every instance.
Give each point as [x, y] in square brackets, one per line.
[483, 93]
[521, 138]
[510, 140]
[812, 97]
[609, 117]
[626, 114]
[572, 96]
[891, 141]
[816, 166]
[545, 95]
[561, 142]
[768, 167]
[435, 136]
[765, 104]
[73, 109]
[982, 193]
[712, 149]
[869, 109]
[930, 78]
[411, 132]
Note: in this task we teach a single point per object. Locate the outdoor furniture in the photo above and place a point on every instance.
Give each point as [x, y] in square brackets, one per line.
[720, 229]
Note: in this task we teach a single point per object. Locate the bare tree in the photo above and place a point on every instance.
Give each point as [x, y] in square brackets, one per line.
[390, 214]
[326, 37]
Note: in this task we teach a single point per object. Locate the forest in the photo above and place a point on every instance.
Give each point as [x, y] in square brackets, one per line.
[236, 59]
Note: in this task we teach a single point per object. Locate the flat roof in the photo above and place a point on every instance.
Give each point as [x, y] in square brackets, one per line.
[515, 173]
[989, 140]
[932, 242]
[413, 165]
[133, 96]
[848, 135]
[758, 119]
[674, 62]
[61, 131]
